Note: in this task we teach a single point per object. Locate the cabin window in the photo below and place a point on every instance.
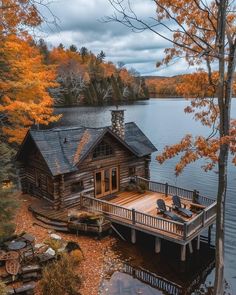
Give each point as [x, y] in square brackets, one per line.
[77, 187]
[50, 187]
[132, 171]
[102, 150]
[38, 181]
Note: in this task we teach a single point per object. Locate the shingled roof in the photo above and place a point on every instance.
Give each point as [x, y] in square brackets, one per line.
[64, 148]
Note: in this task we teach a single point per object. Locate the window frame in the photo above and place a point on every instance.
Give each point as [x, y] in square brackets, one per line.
[81, 187]
[135, 170]
[38, 179]
[102, 150]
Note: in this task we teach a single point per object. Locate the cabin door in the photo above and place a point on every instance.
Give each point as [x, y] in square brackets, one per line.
[106, 181]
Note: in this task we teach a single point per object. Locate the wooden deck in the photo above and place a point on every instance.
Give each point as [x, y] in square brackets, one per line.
[138, 212]
[146, 202]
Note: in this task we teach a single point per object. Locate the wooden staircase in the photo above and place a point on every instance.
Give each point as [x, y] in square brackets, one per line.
[50, 218]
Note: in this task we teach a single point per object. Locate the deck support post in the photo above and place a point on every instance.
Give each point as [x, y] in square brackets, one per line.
[133, 216]
[198, 242]
[190, 247]
[183, 252]
[209, 234]
[157, 245]
[166, 189]
[133, 236]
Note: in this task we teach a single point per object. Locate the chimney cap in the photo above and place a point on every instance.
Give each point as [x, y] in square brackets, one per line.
[118, 110]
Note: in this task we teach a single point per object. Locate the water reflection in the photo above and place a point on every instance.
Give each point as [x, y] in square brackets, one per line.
[164, 122]
[144, 272]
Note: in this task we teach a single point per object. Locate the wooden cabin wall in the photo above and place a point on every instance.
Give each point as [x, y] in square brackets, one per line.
[61, 185]
[121, 158]
[34, 164]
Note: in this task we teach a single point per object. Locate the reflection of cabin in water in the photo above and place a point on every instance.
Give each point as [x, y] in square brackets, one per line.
[94, 167]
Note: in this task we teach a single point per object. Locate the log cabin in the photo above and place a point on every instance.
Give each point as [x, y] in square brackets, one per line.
[61, 163]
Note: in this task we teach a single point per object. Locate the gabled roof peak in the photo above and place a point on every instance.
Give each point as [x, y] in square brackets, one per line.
[63, 155]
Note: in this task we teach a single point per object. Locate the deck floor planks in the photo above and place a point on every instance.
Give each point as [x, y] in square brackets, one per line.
[144, 202]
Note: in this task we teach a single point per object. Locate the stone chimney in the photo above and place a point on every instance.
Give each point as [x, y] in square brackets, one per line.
[118, 122]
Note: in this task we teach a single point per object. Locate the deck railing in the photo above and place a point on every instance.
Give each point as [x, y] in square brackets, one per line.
[149, 222]
[153, 280]
[132, 216]
[171, 190]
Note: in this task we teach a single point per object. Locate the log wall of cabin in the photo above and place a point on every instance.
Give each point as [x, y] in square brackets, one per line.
[62, 184]
[34, 164]
[121, 158]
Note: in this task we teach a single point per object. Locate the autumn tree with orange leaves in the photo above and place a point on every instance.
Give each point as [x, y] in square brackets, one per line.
[24, 79]
[203, 33]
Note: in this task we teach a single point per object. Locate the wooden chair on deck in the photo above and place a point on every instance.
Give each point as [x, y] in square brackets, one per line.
[181, 209]
[161, 207]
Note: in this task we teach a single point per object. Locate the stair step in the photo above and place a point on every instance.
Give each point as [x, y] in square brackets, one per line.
[70, 204]
[44, 225]
[50, 222]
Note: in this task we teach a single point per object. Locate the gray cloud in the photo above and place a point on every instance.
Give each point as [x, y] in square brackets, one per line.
[80, 24]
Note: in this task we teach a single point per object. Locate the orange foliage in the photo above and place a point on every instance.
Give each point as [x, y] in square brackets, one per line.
[206, 110]
[24, 82]
[88, 65]
[15, 14]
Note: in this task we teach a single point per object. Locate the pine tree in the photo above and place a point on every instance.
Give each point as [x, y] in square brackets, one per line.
[7, 180]
[73, 48]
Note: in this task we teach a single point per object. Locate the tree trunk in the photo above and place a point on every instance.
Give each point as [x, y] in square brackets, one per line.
[224, 101]
[223, 156]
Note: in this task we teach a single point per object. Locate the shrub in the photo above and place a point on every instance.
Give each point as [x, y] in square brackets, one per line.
[131, 187]
[60, 277]
[3, 288]
[8, 207]
[54, 244]
[143, 186]
[77, 255]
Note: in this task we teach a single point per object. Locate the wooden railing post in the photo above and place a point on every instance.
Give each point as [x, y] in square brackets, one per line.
[185, 230]
[133, 216]
[203, 217]
[195, 195]
[166, 189]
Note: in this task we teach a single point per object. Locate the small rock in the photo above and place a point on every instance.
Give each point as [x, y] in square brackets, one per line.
[55, 237]
[38, 246]
[51, 252]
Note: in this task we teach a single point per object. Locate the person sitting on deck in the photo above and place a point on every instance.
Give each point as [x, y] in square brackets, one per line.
[178, 207]
[161, 207]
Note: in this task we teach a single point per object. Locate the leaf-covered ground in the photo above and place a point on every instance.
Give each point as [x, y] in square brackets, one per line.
[91, 268]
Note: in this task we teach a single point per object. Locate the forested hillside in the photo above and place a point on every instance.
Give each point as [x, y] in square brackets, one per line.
[164, 86]
[178, 86]
[86, 78]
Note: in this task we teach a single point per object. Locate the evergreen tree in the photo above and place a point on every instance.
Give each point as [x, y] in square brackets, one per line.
[101, 56]
[73, 48]
[43, 48]
[7, 178]
[61, 46]
[84, 53]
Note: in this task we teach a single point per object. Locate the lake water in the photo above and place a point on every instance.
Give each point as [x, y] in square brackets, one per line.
[165, 123]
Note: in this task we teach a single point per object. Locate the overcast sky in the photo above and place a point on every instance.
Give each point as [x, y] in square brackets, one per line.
[80, 24]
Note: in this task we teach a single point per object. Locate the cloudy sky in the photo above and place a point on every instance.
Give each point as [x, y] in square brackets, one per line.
[80, 23]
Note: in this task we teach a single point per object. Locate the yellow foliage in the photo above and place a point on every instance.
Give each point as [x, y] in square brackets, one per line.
[24, 83]
[77, 256]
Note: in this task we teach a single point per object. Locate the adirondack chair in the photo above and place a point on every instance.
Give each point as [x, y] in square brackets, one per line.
[178, 207]
[161, 207]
